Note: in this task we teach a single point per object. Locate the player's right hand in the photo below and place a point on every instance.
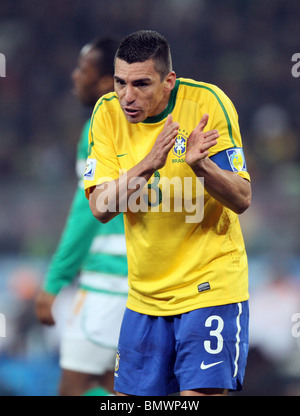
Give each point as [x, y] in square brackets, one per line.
[164, 142]
[43, 307]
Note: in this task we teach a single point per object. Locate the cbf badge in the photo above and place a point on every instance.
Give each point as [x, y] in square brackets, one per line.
[237, 160]
[179, 148]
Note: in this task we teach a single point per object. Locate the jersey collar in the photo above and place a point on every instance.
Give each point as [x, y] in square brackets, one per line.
[168, 109]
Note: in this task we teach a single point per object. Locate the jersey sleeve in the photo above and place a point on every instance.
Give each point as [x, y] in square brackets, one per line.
[102, 162]
[78, 233]
[228, 152]
[80, 229]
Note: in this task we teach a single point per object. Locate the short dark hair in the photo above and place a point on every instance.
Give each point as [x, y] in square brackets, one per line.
[107, 49]
[146, 44]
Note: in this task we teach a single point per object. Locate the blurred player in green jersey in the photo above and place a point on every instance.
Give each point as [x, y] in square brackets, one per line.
[94, 252]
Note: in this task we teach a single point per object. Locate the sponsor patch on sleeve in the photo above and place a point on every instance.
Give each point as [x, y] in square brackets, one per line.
[90, 169]
[231, 159]
[236, 159]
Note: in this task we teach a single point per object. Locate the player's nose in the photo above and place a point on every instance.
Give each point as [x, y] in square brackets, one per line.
[129, 95]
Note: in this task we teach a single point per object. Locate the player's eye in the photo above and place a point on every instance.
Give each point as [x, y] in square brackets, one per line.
[142, 84]
[119, 81]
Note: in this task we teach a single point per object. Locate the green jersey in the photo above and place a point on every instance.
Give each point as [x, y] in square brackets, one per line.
[94, 251]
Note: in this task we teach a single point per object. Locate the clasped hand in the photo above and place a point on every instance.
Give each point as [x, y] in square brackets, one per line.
[198, 143]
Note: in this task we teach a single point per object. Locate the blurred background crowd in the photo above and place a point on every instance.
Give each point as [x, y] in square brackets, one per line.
[246, 48]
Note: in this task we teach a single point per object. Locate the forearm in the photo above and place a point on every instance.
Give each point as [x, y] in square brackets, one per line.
[111, 198]
[227, 187]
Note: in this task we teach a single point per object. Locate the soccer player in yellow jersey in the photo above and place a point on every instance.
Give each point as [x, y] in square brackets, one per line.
[168, 153]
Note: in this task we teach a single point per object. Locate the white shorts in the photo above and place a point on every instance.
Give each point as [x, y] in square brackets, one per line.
[91, 335]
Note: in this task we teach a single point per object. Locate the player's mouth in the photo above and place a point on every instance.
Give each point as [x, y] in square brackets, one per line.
[132, 112]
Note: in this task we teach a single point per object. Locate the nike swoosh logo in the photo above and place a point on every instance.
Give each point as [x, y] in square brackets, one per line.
[206, 366]
[124, 154]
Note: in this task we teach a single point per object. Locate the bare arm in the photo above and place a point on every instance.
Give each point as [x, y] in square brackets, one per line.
[107, 200]
[227, 187]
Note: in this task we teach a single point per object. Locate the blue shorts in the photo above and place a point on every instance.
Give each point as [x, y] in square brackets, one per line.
[204, 348]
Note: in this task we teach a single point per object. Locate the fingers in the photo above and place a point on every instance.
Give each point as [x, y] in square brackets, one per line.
[203, 122]
[208, 144]
[170, 126]
[163, 144]
[170, 131]
[169, 144]
[210, 139]
[169, 120]
[211, 134]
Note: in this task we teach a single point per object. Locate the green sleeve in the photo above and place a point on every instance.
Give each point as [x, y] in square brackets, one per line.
[82, 147]
[79, 231]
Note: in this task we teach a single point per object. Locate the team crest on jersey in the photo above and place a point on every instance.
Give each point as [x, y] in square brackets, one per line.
[236, 159]
[179, 148]
[90, 169]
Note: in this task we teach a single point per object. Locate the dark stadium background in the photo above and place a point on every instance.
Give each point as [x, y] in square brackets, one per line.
[246, 48]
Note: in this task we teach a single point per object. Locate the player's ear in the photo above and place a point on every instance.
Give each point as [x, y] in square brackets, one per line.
[170, 81]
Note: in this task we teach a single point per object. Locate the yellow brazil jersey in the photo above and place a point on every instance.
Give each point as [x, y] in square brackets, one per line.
[185, 249]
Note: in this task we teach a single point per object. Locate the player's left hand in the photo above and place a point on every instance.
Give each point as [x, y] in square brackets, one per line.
[199, 142]
[43, 307]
